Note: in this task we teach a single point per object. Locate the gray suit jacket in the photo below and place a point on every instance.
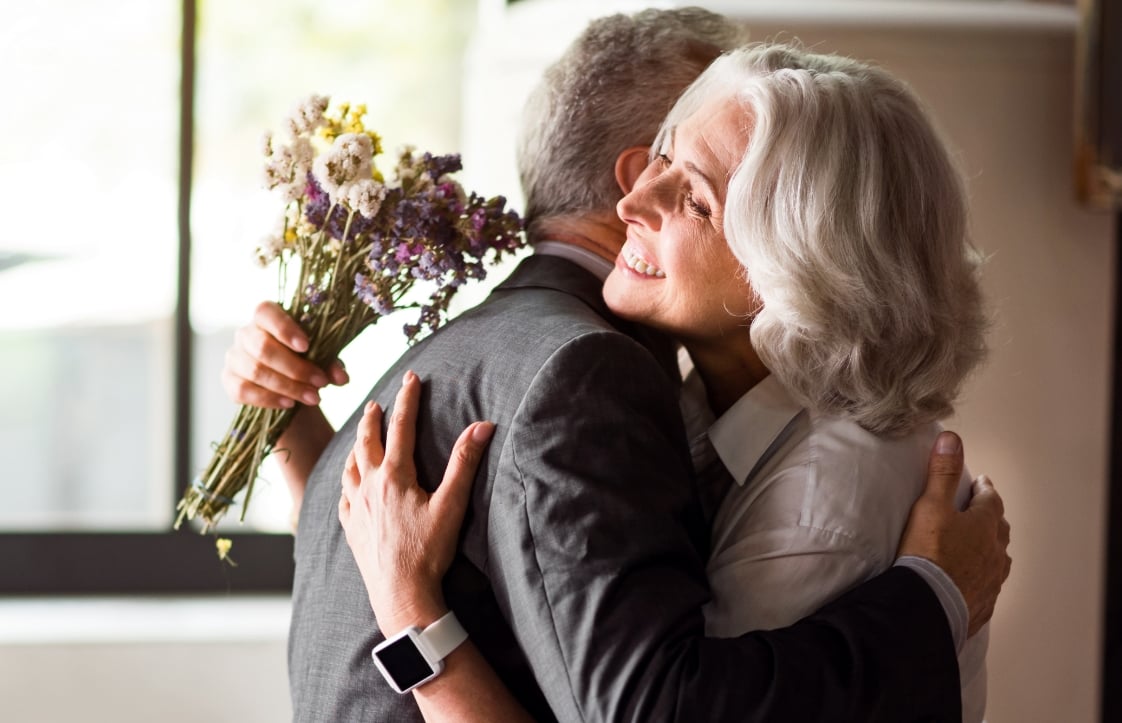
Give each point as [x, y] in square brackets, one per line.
[581, 574]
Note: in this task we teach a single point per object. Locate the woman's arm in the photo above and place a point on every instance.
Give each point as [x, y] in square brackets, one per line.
[264, 368]
[404, 539]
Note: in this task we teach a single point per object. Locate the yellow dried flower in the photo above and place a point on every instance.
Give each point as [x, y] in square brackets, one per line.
[223, 545]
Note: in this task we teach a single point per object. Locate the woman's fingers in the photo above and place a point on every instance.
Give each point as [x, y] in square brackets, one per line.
[450, 501]
[402, 430]
[351, 477]
[367, 453]
[344, 512]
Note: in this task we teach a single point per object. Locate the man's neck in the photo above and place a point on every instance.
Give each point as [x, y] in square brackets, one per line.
[729, 367]
[599, 234]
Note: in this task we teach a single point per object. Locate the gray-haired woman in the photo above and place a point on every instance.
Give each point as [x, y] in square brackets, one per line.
[801, 229]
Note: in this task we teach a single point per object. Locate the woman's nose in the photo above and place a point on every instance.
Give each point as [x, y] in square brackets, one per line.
[640, 206]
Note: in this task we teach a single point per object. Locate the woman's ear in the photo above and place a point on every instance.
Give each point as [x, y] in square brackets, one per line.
[629, 165]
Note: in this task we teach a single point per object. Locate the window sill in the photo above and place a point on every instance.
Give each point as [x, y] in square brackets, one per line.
[195, 619]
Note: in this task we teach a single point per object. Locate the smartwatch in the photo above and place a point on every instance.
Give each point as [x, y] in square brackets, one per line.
[414, 656]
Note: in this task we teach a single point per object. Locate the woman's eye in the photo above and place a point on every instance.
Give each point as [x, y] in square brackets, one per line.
[696, 206]
[664, 159]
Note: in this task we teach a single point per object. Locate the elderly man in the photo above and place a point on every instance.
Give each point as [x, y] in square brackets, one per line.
[581, 573]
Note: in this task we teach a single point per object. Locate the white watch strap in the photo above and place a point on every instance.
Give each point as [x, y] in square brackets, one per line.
[442, 637]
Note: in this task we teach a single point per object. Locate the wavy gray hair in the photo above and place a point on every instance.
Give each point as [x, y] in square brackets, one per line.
[608, 92]
[849, 217]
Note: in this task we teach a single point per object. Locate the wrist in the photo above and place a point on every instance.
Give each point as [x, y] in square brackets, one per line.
[412, 607]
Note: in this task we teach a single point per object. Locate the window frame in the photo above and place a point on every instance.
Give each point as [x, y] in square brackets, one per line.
[171, 561]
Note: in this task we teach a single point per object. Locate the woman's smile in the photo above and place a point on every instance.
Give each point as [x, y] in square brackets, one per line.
[632, 259]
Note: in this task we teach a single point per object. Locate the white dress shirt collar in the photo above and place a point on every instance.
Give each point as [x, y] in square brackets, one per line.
[590, 262]
[743, 435]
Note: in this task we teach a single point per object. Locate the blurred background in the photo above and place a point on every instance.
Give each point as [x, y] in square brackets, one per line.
[120, 290]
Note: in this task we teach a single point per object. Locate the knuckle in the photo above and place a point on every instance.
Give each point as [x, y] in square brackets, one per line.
[466, 454]
[241, 388]
[258, 372]
[258, 345]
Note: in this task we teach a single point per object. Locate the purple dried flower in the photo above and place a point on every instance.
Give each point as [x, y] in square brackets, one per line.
[438, 166]
[382, 306]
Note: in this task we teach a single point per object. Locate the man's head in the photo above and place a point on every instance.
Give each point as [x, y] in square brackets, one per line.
[610, 91]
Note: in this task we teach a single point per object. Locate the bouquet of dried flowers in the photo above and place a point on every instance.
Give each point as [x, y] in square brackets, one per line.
[356, 243]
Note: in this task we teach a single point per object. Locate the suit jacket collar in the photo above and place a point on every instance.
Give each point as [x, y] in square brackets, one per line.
[559, 274]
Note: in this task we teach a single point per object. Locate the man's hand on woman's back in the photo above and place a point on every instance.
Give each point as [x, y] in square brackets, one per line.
[970, 545]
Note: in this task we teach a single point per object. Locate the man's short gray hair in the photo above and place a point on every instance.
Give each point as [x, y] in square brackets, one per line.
[849, 216]
[609, 92]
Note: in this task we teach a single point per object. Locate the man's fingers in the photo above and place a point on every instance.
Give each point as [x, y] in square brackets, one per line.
[368, 452]
[984, 491]
[944, 467]
[338, 373]
[401, 432]
[244, 374]
[274, 353]
[450, 501]
[243, 391]
[986, 499]
[273, 319]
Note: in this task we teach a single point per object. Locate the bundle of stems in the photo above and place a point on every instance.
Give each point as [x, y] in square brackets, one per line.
[356, 246]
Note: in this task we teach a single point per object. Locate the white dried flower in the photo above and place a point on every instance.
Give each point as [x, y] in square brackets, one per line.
[358, 146]
[267, 144]
[365, 196]
[307, 116]
[348, 160]
[269, 248]
[279, 169]
[274, 175]
[292, 191]
[302, 155]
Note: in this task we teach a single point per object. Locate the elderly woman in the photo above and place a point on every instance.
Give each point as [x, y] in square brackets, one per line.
[802, 232]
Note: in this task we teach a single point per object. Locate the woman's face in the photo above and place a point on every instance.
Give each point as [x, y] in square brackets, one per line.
[676, 272]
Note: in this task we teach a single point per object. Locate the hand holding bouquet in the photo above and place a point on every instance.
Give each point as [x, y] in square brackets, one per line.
[356, 243]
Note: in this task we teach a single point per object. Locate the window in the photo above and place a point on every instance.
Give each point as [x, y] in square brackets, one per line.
[131, 169]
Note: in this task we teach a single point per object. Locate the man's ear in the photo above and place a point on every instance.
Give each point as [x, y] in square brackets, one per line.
[629, 164]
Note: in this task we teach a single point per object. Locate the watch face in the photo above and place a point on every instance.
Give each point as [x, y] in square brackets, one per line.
[404, 664]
